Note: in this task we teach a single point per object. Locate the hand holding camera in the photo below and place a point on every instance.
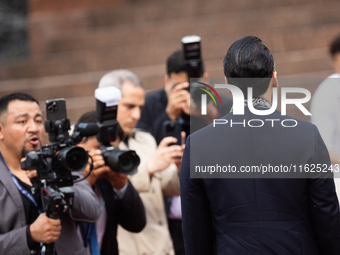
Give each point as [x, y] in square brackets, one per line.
[178, 98]
[117, 180]
[165, 155]
[99, 168]
[45, 230]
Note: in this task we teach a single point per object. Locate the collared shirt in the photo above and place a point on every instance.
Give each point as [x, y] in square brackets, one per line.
[101, 222]
[325, 108]
[175, 209]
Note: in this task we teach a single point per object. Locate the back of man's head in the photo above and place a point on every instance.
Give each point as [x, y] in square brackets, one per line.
[117, 78]
[5, 100]
[248, 58]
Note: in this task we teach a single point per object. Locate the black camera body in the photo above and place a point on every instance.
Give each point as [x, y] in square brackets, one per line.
[123, 161]
[192, 55]
[194, 63]
[56, 162]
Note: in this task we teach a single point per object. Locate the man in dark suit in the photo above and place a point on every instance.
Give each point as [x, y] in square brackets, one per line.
[22, 224]
[235, 212]
[120, 201]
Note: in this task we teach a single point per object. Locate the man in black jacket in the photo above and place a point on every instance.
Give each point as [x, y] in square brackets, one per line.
[172, 103]
[119, 201]
[231, 208]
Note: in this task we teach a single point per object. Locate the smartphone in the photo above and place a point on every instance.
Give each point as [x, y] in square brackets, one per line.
[56, 111]
[174, 129]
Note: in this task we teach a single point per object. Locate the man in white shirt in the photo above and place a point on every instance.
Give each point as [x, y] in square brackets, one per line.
[325, 109]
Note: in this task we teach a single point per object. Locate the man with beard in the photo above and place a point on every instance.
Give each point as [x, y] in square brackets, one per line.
[23, 226]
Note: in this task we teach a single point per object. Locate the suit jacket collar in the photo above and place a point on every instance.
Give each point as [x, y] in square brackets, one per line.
[13, 191]
[258, 103]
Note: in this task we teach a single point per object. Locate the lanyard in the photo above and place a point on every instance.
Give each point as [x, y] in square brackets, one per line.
[21, 189]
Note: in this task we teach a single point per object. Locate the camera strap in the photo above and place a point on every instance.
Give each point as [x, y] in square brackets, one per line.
[20, 188]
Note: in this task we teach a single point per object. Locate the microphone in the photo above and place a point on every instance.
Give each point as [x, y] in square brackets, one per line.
[86, 129]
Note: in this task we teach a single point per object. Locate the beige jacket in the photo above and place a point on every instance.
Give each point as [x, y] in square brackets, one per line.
[155, 238]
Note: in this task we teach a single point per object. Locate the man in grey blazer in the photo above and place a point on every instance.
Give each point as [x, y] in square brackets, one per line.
[22, 226]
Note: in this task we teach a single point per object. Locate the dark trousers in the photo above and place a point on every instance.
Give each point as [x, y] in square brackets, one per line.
[175, 227]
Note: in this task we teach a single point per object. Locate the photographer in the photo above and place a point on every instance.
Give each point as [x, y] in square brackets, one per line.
[119, 201]
[173, 103]
[157, 172]
[23, 226]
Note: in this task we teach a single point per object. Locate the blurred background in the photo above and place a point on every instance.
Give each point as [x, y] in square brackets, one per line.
[61, 48]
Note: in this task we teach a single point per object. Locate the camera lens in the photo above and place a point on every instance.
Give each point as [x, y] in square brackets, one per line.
[73, 158]
[123, 161]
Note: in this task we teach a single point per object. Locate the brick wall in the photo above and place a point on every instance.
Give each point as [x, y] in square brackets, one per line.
[73, 43]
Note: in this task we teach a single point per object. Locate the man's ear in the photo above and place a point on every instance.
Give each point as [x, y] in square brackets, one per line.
[205, 77]
[1, 131]
[167, 87]
[226, 82]
[274, 80]
[166, 79]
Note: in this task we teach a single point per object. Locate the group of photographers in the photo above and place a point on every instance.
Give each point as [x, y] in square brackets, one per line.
[109, 209]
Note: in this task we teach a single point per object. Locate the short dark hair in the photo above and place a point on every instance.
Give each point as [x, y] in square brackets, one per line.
[88, 117]
[248, 58]
[335, 46]
[5, 100]
[176, 64]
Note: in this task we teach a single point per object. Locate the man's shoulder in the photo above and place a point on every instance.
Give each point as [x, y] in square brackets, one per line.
[330, 86]
[156, 94]
[334, 75]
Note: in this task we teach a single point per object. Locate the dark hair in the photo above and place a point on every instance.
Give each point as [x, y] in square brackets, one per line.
[248, 58]
[91, 117]
[335, 46]
[5, 100]
[176, 64]
[88, 117]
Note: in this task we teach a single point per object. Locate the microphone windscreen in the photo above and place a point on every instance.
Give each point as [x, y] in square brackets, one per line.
[87, 129]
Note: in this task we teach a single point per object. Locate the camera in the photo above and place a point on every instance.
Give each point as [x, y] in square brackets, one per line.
[123, 161]
[192, 55]
[194, 64]
[56, 162]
